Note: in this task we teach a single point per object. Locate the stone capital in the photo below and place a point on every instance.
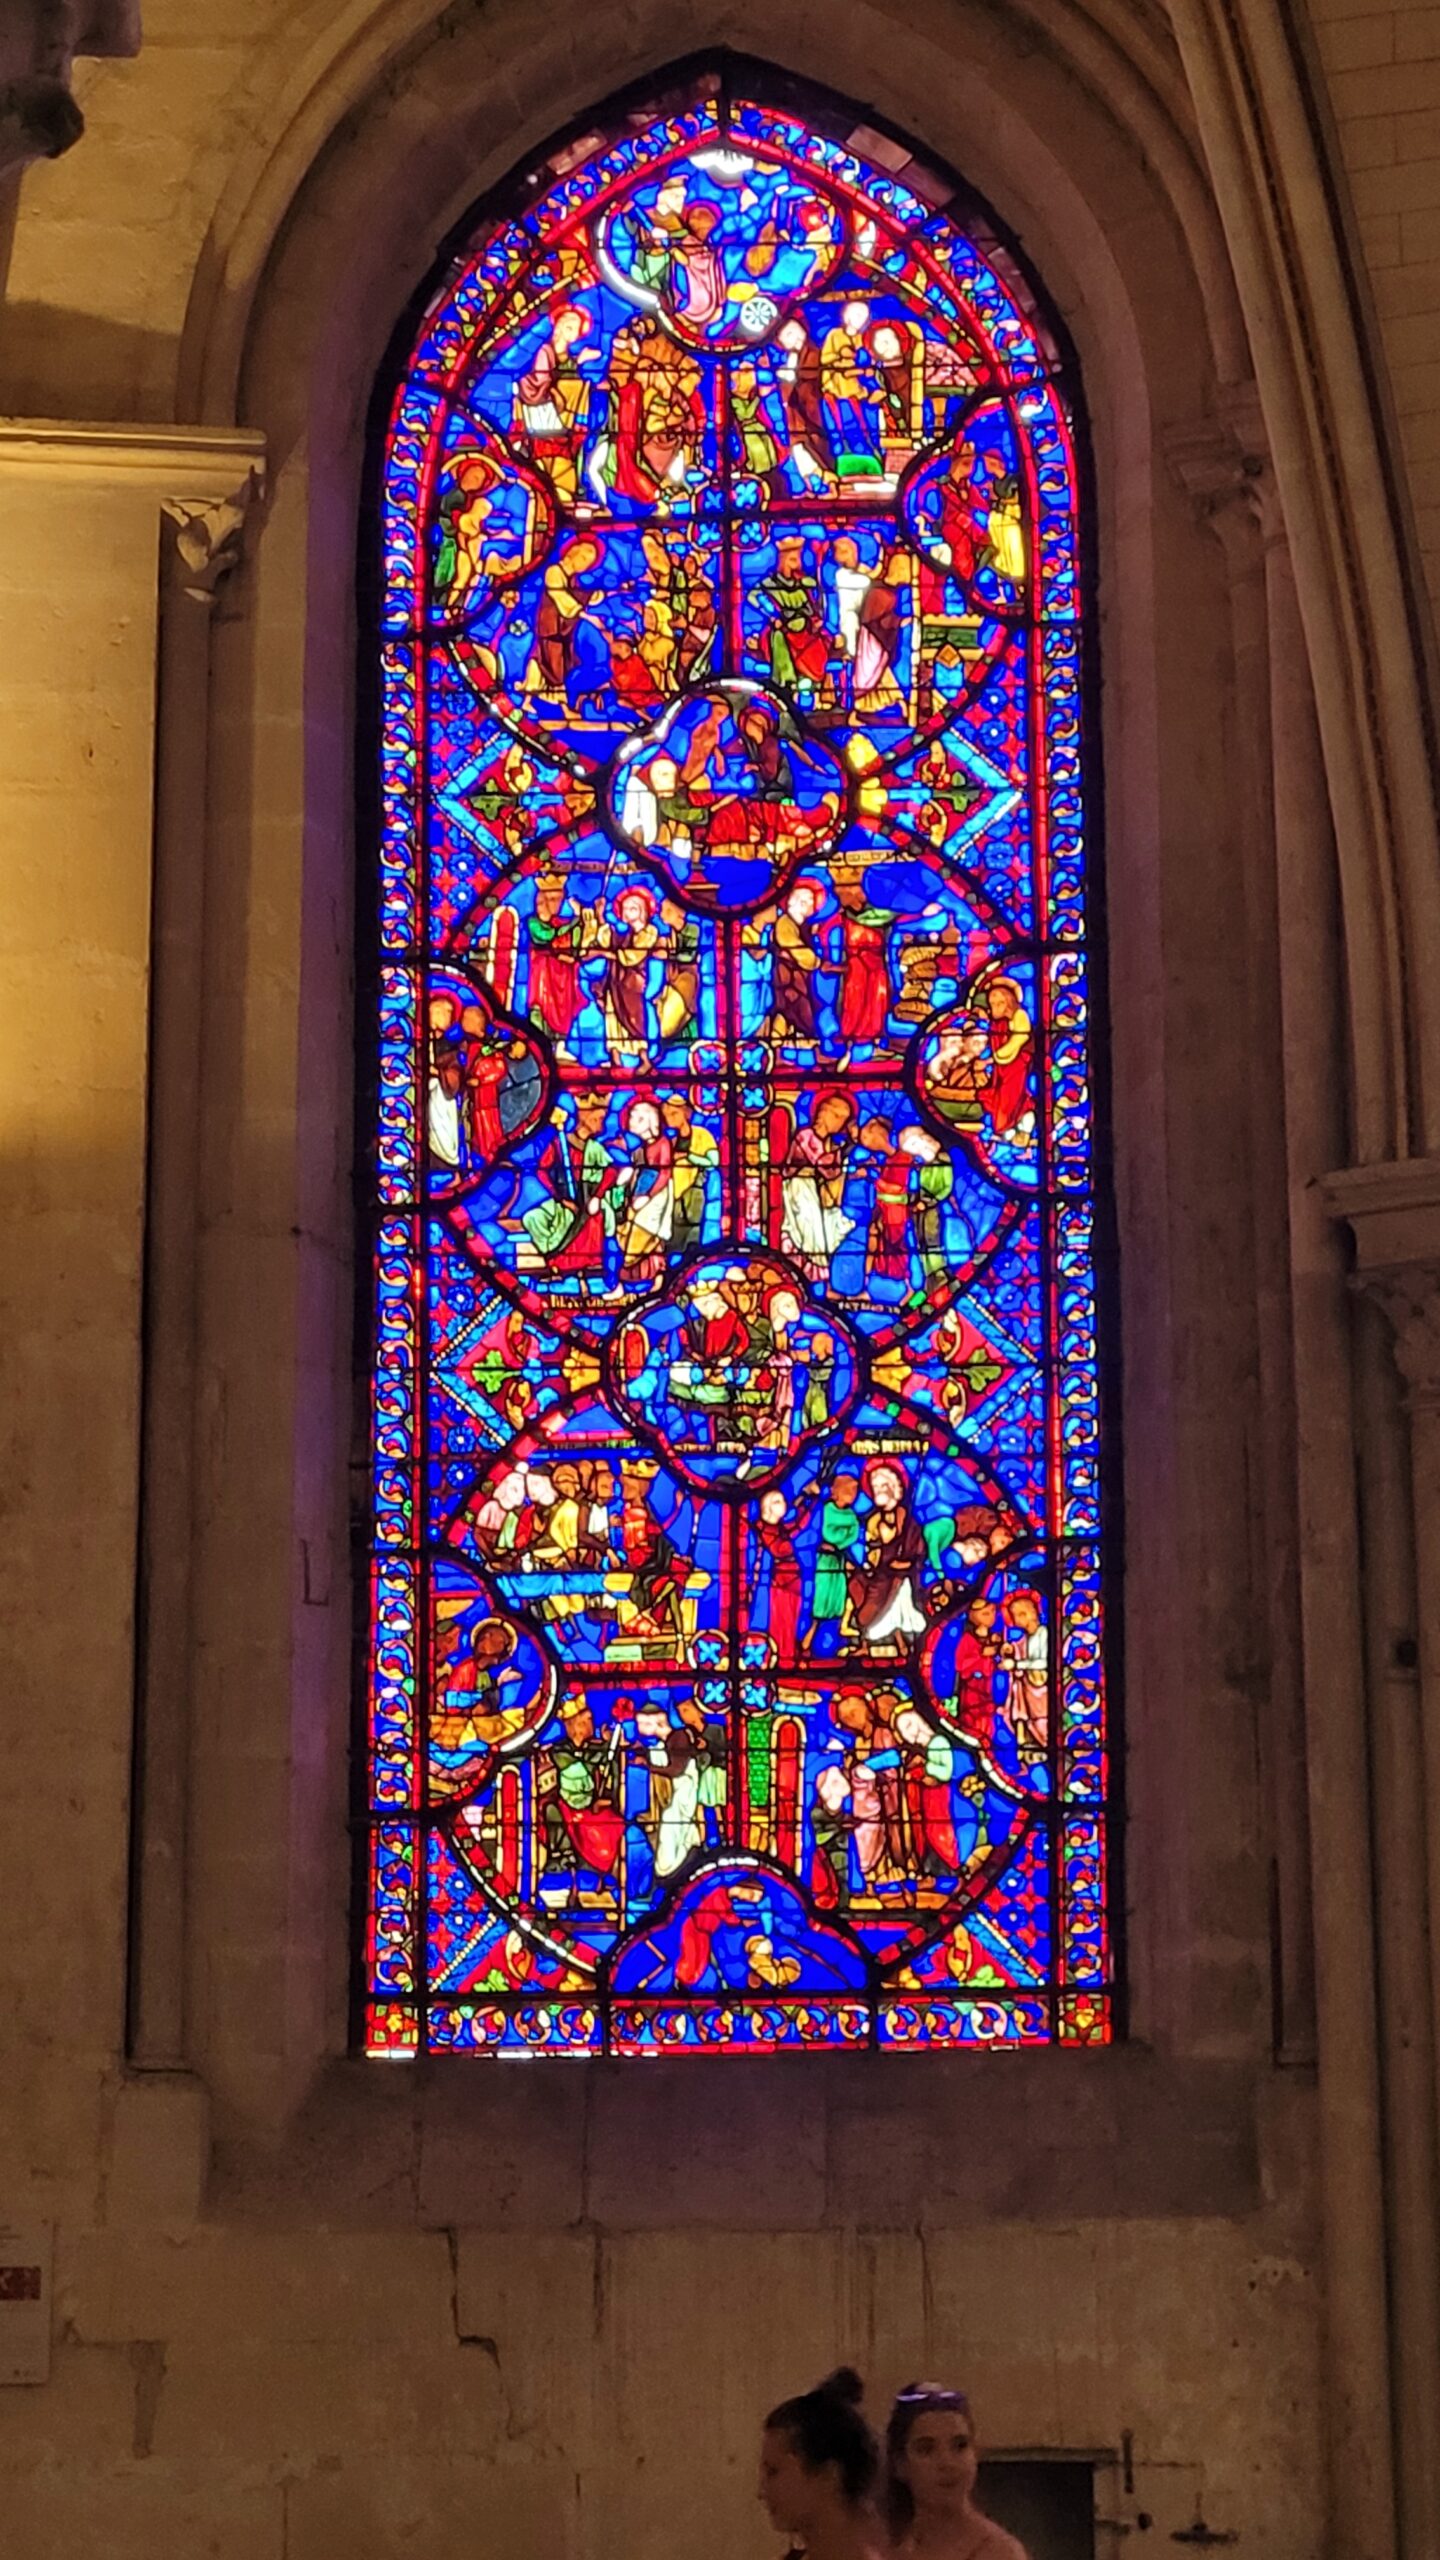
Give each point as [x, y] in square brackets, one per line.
[1409, 1294]
[1223, 465]
[1393, 1212]
[205, 537]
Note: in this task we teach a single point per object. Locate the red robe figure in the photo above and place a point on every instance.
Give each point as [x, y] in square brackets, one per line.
[787, 1589]
[714, 1910]
[594, 1828]
[955, 528]
[957, 511]
[1012, 1047]
[927, 1791]
[484, 1077]
[976, 1656]
[890, 1227]
[554, 960]
[588, 1177]
[865, 978]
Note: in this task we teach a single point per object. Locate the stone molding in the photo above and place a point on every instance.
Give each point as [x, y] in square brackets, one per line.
[203, 518]
[39, 41]
[1393, 1209]
[1393, 1212]
[186, 465]
[1359, 592]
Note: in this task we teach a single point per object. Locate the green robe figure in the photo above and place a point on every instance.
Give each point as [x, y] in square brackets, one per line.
[937, 1182]
[842, 1543]
[799, 647]
[815, 1411]
[759, 449]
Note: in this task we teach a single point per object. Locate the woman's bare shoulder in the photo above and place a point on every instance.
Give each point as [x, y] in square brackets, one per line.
[994, 2544]
[1000, 2545]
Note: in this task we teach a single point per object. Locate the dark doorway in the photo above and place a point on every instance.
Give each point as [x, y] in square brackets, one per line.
[1048, 2506]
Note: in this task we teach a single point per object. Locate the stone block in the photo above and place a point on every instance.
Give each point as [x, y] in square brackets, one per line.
[1417, 388]
[502, 2145]
[1386, 88]
[244, 2399]
[1210, 2341]
[50, 2148]
[1417, 134]
[290, 2287]
[1381, 239]
[1040, 2135]
[1370, 142]
[159, 2152]
[1011, 2306]
[1417, 35]
[1420, 223]
[896, 2325]
[141, 2511]
[1411, 186]
[385, 2510]
[85, 2412]
[533, 2301]
[724, 2144]
[720, 2325]
[878, 2162]
[1409, 291]
[1354, 44]
[696, 2492]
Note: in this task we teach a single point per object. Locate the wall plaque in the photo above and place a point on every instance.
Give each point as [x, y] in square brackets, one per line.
[25, 2255]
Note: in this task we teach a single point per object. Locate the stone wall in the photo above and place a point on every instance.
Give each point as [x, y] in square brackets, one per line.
[307, 2307]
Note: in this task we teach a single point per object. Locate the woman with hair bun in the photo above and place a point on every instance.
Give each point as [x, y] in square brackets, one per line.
[819, 2464]
[930, 2466]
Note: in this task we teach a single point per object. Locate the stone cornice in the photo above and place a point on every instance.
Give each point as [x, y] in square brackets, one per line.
[178, 462]
[1392, 1209]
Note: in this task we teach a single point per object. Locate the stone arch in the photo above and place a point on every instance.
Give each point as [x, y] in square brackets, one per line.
[1222, 110]
[1154, 351]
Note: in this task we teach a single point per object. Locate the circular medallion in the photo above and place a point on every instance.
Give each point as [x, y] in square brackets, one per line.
[726, 794]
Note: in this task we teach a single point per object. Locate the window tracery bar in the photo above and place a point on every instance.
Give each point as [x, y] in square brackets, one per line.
[736, 1668]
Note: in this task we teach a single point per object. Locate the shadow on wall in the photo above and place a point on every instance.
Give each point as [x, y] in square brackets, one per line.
[75, 364]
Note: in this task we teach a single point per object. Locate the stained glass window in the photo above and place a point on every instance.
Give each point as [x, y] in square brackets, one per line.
[734, 1677]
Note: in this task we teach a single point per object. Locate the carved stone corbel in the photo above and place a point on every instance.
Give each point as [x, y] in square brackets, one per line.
[1223, 465]
[206, 538]
[1409, 1294]
[39, 40]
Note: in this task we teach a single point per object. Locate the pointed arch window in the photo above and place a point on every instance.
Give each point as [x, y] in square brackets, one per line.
[735, 1667]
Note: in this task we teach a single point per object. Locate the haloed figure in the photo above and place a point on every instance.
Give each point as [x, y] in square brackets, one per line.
[930, 2465]
[819, 2464]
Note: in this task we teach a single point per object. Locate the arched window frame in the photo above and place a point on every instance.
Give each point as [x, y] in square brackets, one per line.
[1067, 2010]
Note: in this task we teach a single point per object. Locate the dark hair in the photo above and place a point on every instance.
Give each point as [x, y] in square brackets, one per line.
[917, 2400]
[829, 2425]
